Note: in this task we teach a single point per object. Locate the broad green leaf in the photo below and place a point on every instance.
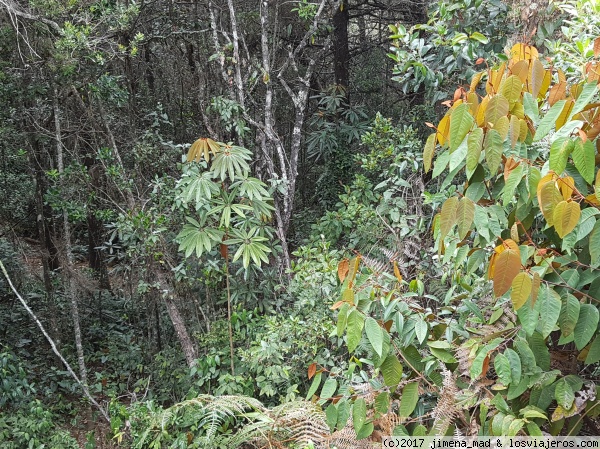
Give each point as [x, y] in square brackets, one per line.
[528, 317]
[474, 145]
[594, 245]
[560, 150]
[584, 154]
[565, 217]
[493, 150]
[331, 415]
[521, 289]
[587, 324]
[569, 313]
[342, 319]
[448, 216]
[421, 329]
[365, 431]
[528, 362]
[428, 152]
[374, 335]
[465, 213]
[359, 414]
[593, 355]
[409, 399]
[547, 123]
[497, 107]
[314, 386]
[502, 368]
[511, 184]
[391, 368]
[329, 388]
[382, 402]
[587, 93]
[531, 107]
[461, 122]
[531, 412]
[476, 369]
[458, 156]
[507, 266]
[564, 394]
[550, 306]
[355, 324]
[540, 350]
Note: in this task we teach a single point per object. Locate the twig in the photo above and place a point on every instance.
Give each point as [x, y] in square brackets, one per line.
[53, 345]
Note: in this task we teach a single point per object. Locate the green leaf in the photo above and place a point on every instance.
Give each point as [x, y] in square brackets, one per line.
[359, 414]
[550, 305]
[593, 355]
[329, 388]
[587, 324]
[584, 154]
[409, 399]
[531, 412]
[477, 366]
[474, 145]
[511, 184]
[331, 415]
[382, 402]
[458, 156]
[594, 245]
[569, 314]
[314, 386]
[493, 150]
[540, 351]
[511, 89]
[587, 93]
[374, 335]
[547, 123]
[502, 367]
[531, 107]
[461, 122]
[356, 322]
[521, 289]
[564, 394]
[560, 150]
[365, 431]
[421, 329]
[391, 368]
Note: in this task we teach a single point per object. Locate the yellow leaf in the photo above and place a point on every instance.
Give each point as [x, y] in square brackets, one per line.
[480, 118]
[507, 266]
[443, 129]
[522, 130]
[564, 114]
[397, 272]
[514, 130]
[428, 152]
[497, 107]
[343, 270]
[510, 244]
[518, 110]
[492, 266]
[566, 217]
[475, 81]
[502, 126]
[514, 232]
[465, 213]
[511, 89]
[536, 77]
[566, 185]
[448, 216]
[545, 84]
[548, 196]
[521, 69]
[521, 289]
[473, 101]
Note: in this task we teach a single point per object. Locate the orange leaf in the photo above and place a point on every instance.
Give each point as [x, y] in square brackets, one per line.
[486, 366]
[337, 305]
[223, 250]
[507, 266]
[312, 369]
[343, 270]
[479, 61]
[597, 47]
[397, 272]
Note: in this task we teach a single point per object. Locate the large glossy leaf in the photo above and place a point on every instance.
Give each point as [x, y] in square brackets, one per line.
[409, 399]
[569, 313]
[564, 394]
[587, 324]
[511, 88]
[461, 122]
[515, 365]
[584, 154]
[474, 145]
[374, 335]
[593, 355]
[391, 368]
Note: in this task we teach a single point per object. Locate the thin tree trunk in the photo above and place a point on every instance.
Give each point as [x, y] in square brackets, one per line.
[180, 329]
[71, 287]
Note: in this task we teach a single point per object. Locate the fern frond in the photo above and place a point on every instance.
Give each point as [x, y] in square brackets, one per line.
[445, 411]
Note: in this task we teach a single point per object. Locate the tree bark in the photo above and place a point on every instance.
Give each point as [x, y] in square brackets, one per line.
[181, 330]
[341, 50]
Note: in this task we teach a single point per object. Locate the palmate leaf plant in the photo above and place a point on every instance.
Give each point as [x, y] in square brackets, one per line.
[225, 208]
[514, 346]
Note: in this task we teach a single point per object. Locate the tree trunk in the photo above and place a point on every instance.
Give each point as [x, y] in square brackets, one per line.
[181, 330]
[341, 50]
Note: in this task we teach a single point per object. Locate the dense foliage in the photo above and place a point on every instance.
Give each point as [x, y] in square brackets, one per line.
[304, 224]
